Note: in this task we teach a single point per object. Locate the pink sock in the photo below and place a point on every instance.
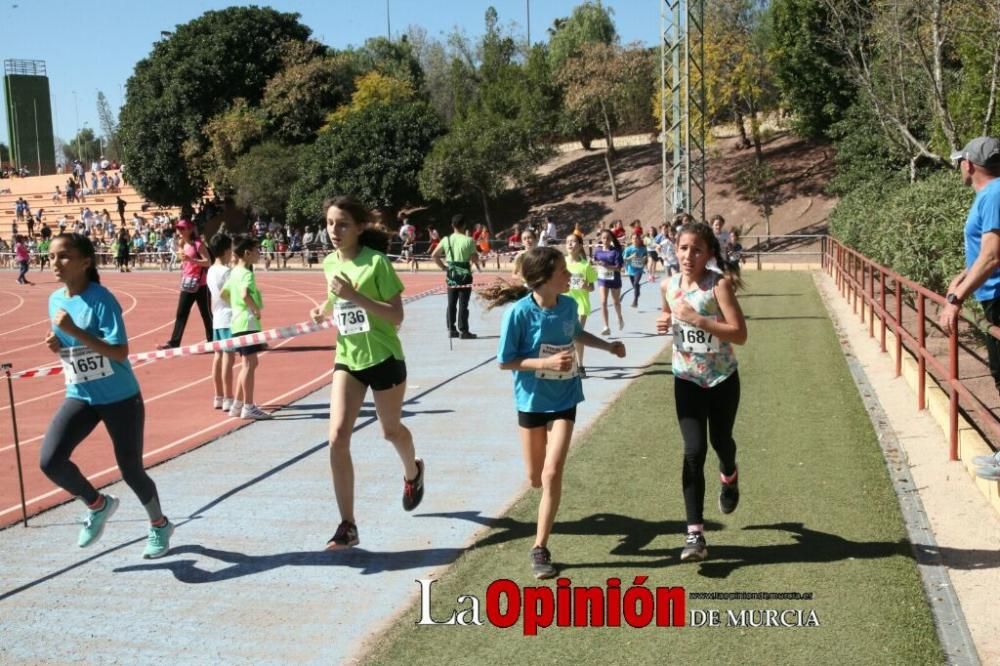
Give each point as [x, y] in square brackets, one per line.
[696, 528]
[728, 479]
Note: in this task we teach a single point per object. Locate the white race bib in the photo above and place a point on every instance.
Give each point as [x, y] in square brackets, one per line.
[693, 340]
[638, 262]
[605, 273]
[547, 350]
[577, 282]
[83, 364]
[350, 318]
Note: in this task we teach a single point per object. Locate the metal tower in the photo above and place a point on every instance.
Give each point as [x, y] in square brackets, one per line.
[682, 107]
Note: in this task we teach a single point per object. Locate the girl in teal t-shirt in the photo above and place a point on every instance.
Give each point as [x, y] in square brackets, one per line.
[634, 257]
[88, 334]
[536, 343]
[365, 299]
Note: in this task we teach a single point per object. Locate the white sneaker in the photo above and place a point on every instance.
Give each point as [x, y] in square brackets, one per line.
[227, 404]
[254, 412]
[605, 331]
[217, 402]
[235, 408]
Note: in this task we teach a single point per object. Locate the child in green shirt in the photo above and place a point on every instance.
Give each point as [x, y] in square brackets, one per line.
[247, 302]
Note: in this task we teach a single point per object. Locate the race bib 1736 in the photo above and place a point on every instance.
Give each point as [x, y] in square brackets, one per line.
[350, 318]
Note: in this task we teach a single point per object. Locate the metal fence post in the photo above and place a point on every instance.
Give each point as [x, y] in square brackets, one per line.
[6, 367]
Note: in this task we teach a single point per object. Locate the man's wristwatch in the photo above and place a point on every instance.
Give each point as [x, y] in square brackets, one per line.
[953, 299]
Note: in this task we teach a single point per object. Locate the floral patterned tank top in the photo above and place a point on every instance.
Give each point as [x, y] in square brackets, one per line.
[698, 356]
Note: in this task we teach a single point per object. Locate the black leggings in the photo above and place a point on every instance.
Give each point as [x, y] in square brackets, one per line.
[184, 303]
[701, 411]
[636, 281]
[22, 267]
[458, 309]
[75, 420]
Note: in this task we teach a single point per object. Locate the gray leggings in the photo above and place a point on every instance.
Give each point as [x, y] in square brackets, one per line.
[75, 420]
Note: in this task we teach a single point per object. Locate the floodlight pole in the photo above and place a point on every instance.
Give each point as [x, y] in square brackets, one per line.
[682, 66]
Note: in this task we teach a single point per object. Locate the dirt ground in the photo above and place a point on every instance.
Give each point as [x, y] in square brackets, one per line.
[573, 188]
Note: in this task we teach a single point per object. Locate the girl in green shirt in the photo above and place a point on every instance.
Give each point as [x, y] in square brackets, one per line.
[365, 299]
[583, 276]
[246, 302]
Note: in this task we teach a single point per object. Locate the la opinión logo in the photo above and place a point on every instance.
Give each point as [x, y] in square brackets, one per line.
[566, 606]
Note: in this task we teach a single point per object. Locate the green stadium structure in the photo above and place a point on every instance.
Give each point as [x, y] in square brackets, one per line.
[29, 116]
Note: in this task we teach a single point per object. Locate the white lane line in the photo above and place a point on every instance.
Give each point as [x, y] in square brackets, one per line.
[20, 302]
[173, 444]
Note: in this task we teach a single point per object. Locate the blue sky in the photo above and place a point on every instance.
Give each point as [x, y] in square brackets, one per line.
[94, 46]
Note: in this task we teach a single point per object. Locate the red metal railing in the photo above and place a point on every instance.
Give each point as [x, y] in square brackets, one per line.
[855, 277]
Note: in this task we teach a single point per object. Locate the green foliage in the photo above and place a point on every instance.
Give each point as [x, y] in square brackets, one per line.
[392, 58]
[809, 74]
[375, 154]
[865, 151]
[229, 135]
[915, 229]
[109, 126]
[263, 178]
[480, 157]
[297, 99]
[85, 146]
[590, 22]
[374, 88]
[188, 78]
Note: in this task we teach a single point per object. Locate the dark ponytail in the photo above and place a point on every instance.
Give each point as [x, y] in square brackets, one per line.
[370, 236]
[537, 267]
[82, 244]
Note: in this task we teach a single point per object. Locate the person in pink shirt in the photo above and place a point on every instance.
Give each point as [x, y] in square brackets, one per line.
[194, 283]
[22, 257]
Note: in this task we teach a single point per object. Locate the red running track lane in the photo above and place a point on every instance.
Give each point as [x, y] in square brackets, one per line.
[178, 392]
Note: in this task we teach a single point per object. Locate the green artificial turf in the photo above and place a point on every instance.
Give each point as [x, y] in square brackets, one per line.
[817, 515]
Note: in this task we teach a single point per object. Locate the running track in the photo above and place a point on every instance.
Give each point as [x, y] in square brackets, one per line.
[178, 392]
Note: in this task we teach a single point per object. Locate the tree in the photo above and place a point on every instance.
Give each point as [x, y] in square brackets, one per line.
[600, 79]
[84, 146]
[375, 154]
[264, 176]
[809, 73]
[298, 98]
[109, 126]
[392, 58]
[230, 134]
[373, 88]
[589, 23]
[479, 158]
[189, 78]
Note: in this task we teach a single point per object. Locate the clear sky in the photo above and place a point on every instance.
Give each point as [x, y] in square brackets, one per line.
[94, 46]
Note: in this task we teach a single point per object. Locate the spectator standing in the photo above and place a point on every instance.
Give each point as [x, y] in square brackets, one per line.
[194, 284]
[460, 250]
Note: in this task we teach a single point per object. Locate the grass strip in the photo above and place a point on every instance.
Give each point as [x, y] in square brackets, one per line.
[818, 514]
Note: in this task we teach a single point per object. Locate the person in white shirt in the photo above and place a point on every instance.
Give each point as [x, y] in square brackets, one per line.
[221, 247]
[549, 233]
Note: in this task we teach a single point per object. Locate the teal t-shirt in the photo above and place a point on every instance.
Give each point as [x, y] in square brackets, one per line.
[97, 379]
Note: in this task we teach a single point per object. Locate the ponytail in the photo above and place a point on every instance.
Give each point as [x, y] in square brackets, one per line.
[502, 292]
[370, 237]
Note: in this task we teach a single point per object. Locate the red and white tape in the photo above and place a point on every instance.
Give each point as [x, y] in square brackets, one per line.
[232, 344]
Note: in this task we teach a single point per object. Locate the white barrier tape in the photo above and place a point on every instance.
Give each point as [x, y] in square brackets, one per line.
[231, 344]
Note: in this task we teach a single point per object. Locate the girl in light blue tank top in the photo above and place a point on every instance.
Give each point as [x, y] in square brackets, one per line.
[700, 310]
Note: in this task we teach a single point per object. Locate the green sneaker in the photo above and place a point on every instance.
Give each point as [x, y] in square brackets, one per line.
[158, 542]
[93, 524]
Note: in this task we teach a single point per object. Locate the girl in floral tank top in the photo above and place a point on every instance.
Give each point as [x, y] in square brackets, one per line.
[700, 310]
